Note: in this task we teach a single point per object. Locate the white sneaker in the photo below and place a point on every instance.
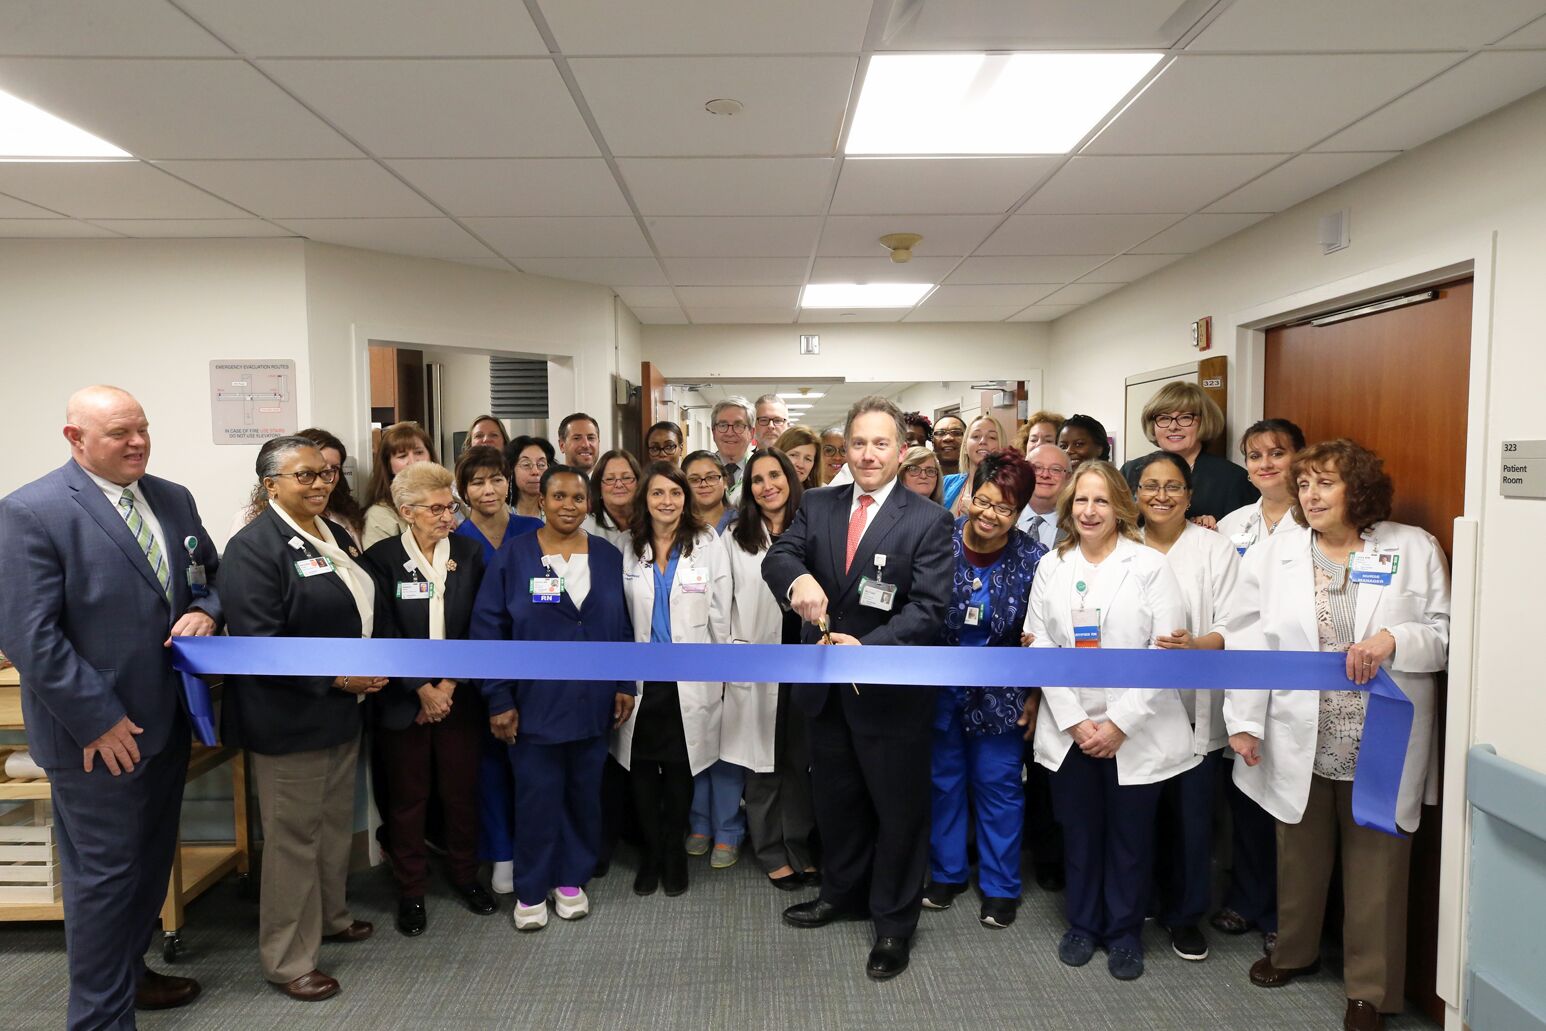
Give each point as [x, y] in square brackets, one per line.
[502, 880]
[570, 907]
[530, 918]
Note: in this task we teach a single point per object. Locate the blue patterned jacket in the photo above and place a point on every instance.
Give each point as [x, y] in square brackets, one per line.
[992, 710]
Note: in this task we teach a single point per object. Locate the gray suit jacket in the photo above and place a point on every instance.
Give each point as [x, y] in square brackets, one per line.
[84, 617]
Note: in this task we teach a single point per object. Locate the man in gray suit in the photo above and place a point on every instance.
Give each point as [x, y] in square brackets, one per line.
[113, 564]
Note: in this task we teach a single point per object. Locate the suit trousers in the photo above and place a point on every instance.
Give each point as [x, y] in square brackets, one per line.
[983, 770]
[307, 804]
[116, 839]
[1253, 857]
[444, 755]
[558, 814]
[1375, 867]
[872, 807]
[1184, 844]
[1043, 837]
[780, 818]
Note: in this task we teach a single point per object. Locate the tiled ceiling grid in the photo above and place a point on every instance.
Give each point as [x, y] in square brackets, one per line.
[569, 138]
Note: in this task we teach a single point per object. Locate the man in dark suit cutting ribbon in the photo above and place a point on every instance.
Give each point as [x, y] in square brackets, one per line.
[113, 564]
[868, 564]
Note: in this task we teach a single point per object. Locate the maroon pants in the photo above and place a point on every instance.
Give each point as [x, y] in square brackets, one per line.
[443, 755]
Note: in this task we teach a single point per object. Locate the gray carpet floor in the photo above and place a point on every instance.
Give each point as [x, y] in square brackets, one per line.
[715, 958]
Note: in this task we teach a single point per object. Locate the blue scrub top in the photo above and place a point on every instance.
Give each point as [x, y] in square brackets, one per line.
[953, 485]
[977, 636]
[519, 525]
[660, 619]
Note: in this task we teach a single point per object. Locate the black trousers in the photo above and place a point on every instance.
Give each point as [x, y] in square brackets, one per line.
[872, 808]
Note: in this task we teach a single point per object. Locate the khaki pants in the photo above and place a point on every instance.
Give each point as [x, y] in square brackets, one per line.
[1374, 880]
[307, 804]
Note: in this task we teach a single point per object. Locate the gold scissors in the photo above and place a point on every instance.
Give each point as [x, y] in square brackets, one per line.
[826, 638]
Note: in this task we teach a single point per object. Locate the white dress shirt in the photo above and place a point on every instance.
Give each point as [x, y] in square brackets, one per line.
[1047, 532]
[114, 493]
[880, 494]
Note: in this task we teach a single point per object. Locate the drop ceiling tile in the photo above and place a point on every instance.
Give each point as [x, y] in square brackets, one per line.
[730, 236]
[175, 109]
[1257, 104]
[369, 28]
[613, 272]
[1016, 296]
[1532, 35]
[444, 108]
[838, 317]
[880, 270]
[737, 296]
[1366, 25]
[1055, 25]
[1073, 234]
[103, 28]
[49, 229]
[422, 237]
[728, 186]
[741, 316]
[1044, 312]
[859, 235]
[1079, 293]
[1298, 179]
[10, 207]
[1197, 232]
[709, 26]
[192, 228]
[495, 264]
[612, 237]
[1145, 184]
[1129, 267]
[509, 186]
[109, 189]
[653, 106]
[1043, 269]
[940, 186]
[659, 316]
[1467, 92]
[637, 297]
[737, 271]
[307, 189]
[936, 313]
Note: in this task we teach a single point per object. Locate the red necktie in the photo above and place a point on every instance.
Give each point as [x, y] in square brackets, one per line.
[856, 528]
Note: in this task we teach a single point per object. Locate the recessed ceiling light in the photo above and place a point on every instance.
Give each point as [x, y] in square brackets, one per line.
[29, 133]
[863, 295]
[806, 395]
[989, 103]
[724, 106]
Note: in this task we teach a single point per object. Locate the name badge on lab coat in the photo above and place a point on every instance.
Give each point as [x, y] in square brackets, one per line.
[545, 590]
[1086, 628]
[877, 594]
[1243, 541]
[1373, 567]
[415, 590]
[313, 566]
[693, 581]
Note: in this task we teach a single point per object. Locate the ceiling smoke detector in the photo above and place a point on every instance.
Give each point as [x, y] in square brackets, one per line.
[901, 246]
[724, 107]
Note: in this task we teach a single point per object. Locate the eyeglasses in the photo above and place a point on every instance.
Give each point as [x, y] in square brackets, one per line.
[1050, 470]
[921, 472]
[1153, 487]
[1182, 421]
[765, 421]
[831, 450]
[306, 477]
[983, 504]
[627, 480]
[526, 465]
[663, 449]
[712, 479]
[436, 510]
[731, 427]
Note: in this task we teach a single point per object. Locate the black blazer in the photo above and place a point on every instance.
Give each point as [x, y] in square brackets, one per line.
[395, 705]
[265, 596]
[1219, 486]
[914, 534]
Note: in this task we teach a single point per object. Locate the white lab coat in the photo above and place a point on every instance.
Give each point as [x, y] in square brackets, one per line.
[1139, 598]
[1277, 594]
[1206, 567]
[1244, 528]
[696, 618]
[751, 710]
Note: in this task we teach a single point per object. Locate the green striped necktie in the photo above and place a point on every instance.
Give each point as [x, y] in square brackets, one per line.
[147, 541]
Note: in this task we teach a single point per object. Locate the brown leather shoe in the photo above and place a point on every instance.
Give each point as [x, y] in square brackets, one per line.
[1265, 975]
[312, 987]
[355, 932]
[1362, 1016]
[164, 992]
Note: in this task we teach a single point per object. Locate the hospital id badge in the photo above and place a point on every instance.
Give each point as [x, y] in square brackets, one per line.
[1373, 567]
[693, 581]
[973, 615]
[415, 590]
[1242, 542]
[545, 590]
[1086, 628]
[313, 566]
[877, 594]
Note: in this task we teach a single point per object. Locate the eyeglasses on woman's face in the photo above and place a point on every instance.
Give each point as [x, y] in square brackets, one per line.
[1170, 487]
[670, 447]
[921, 472]
[982, 504]
[1180, 421]
[306, 477]
[436, 510]
[624, 480]
[706, 480]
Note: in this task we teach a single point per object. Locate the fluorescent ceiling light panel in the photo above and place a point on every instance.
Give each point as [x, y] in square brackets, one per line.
[812, 396]
[29, 133]
[989, 103]
[863, 295]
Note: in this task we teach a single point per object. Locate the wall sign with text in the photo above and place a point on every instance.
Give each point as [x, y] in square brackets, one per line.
[251, 400]
[1524, 469]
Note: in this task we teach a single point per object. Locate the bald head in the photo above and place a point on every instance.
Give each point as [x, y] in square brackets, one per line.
[108, 433]
[1051, 465]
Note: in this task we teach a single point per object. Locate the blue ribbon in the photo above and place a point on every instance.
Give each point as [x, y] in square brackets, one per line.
[1376, 784]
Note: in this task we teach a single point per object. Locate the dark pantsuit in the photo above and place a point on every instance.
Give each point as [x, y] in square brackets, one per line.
[873, 811]
[496, 800]
[1043, 836]
[558, 823]
[1184, 855]
[662, 798]
[443, 756]
[780, 818]
[1108, 836]
[1253, 863]
[116, 839]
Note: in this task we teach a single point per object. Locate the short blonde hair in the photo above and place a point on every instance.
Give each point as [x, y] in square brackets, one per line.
[417, 480]
[1122, 504]
[1181, 396]
[920, 456]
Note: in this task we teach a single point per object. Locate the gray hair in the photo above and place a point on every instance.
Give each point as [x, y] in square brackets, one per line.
[414, 481]
[734, 401]
[876, 403]
[771, 399]
[274, 453]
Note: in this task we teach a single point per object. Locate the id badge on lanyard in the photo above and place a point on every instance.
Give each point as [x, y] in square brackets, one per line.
[415, 590]
[876, 593]
[1373, 567]
[545, 590]
[1086, 621]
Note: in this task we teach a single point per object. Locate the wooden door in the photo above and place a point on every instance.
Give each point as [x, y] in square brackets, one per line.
[1397, 382]
[653, 406]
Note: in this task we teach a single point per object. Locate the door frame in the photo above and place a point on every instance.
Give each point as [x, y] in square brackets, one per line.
[1471, 255]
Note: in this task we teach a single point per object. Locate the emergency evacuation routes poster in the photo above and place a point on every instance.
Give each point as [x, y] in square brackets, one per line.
[251, 400]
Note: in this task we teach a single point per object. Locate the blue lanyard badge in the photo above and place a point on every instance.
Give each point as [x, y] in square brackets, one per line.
[545, 590]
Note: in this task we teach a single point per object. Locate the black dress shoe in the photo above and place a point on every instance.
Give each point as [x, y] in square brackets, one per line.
[788, 882]
[673, 874]
[888, 958]
[411, 918]
[647, 880]
[477, 898]
[164, 992]
[817, 912]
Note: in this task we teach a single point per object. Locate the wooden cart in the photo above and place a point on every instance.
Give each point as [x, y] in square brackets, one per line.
[29, 855]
